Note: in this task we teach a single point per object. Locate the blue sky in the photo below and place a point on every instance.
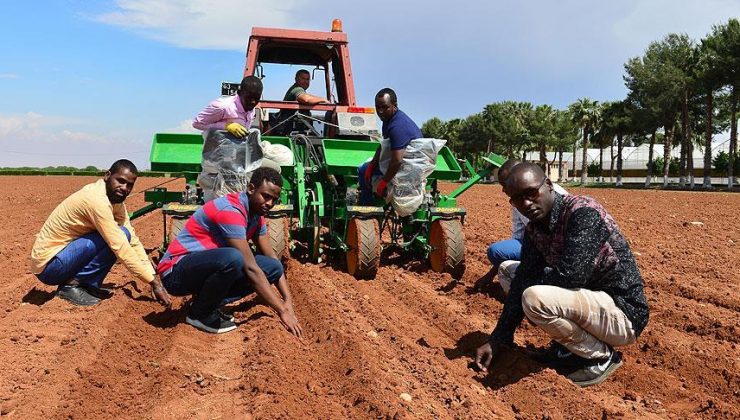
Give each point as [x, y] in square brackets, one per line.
[88, 82]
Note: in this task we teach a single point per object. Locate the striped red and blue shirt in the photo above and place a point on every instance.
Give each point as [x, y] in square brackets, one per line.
[224, 218]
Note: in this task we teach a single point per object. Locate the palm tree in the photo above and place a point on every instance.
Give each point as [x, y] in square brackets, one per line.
[617, 119]
[585, 113]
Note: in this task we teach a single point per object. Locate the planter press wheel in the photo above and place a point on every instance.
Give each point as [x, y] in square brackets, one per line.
[278, 231]
[363, 256]
[178, 222]
[313, 232]
[315, 239]
[448, 247]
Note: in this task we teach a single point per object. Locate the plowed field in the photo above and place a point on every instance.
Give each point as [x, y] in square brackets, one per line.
[366, 342]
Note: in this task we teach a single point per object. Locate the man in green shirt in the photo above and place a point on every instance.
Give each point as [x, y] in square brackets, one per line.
[297, 92]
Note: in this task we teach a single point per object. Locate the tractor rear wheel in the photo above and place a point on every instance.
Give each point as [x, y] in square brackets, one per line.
[448, 247]
[278, 231]
[363, 239]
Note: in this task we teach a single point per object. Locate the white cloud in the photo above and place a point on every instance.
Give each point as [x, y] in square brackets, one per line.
[8, 76]
[33, 139]
[44, 128]
[185, 126]
[201, 24]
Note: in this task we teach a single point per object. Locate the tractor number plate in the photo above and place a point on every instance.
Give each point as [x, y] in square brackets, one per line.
[229, 89]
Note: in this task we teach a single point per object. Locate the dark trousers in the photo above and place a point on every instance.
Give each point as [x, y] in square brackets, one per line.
[87, 259]
[367, 196]
[216, 276]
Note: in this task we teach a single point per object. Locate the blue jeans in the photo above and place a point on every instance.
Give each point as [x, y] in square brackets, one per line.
[509, 249]
[87, 259]
[366, 191]
[216, 276]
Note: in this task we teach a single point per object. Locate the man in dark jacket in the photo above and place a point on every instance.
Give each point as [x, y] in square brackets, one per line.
[578, 281]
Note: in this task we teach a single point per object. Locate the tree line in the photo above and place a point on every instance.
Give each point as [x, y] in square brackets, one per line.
[88, 168]
[680, 92]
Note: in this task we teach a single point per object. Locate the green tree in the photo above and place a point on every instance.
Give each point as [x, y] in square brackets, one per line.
[433, 128]
[585, 113]
[659, 166]
[724, 45]
[658, 81]
[721, 163]
[542, 131]
[566, 132]
[618, 118]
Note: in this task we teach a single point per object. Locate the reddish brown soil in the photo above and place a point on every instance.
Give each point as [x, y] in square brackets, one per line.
[366, 342]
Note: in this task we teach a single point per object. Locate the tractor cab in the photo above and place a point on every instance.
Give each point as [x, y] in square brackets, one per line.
[272, 52]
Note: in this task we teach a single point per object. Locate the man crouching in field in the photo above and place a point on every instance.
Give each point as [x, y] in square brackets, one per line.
[577, 280]
[86, 233]
[211, 258]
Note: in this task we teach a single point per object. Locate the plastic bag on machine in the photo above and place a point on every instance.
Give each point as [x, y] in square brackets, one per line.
[228, 162]
[407, 189]
[278, 153]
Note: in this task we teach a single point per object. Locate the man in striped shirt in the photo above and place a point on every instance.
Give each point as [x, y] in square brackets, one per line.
[211, 258]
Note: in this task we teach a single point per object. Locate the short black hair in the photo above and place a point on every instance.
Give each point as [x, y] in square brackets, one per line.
[265, 174]
[121, 164]
[251, 84]
[389, 92]
[525, 167]
[505, 169]
[301, 71]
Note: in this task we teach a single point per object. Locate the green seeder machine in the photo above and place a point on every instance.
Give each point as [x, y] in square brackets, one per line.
[315, 213]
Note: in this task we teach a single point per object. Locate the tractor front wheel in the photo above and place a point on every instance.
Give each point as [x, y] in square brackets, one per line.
[363, 239]
[278, 231]
[448, 247]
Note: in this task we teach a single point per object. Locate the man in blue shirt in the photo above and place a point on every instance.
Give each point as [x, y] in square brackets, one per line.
[400, 129]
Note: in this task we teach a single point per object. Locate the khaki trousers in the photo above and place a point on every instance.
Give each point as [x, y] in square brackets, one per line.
[584, 321]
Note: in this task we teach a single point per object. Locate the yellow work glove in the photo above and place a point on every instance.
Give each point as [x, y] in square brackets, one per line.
[236, 129]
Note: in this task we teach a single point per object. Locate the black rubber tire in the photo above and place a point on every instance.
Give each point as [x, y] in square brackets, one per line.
[278, 232]
[363, 239]
[448, 247]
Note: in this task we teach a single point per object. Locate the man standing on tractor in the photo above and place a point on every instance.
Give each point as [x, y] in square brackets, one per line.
[232, 113]
[85, 235]
[297, 92]
[505, 255]
[400, 129]
[211, 258]
[578, 281]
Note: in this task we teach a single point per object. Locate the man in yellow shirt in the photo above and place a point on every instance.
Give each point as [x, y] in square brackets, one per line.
[85, 235]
